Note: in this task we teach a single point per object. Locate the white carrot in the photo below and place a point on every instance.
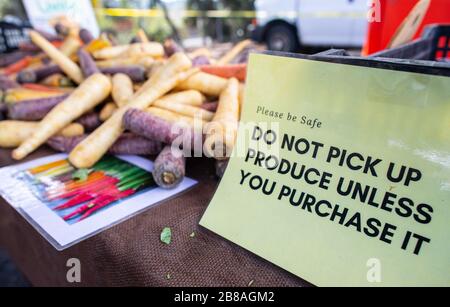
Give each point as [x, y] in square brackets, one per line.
[107, 111]
[139, 49]
[207, 84]
[144, 61]
[64, 62]
[221, 131]
[13, 133]
[110, 52]
[142, 36]
[179, 62]
[92, 149]
[229, 56]
[191, 97]
[174, 118]
[70, 46]
[88, 95]
[152, 49]
[122, 89]
[185, 110]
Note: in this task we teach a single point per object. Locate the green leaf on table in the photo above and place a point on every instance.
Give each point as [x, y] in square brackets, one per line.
[166, 235]
[81, 175]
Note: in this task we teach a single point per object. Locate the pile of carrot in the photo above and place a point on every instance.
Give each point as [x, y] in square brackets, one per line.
[90, 96]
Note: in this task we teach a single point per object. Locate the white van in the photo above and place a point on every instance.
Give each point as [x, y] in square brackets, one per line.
[285, 25]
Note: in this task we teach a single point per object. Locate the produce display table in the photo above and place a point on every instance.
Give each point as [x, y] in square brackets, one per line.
[131, 254]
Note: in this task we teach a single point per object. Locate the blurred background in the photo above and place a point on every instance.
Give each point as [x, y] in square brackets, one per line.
[288, 25]
[282, 25]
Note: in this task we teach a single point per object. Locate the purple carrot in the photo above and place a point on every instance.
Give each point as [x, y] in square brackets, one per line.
[155, 128]
[169, 168]
[201, 60]
[61, 29]
[210, 106]
[90, 121]
[86, 36]
[11, 58]
[87, 63]
[34, 109]
[6, 83]
[136, 73]
[38, 74]
[171, 47]
[127, 144]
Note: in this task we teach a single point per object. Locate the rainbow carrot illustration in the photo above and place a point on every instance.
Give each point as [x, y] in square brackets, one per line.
[107, 182]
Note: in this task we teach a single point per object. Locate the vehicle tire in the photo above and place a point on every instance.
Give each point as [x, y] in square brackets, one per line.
[282, 37]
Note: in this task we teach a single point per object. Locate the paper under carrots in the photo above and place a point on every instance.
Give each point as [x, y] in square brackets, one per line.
[63, 61]
[122, 89]
[13, 133]
[89, 94]
[97, 144]
[221, 132]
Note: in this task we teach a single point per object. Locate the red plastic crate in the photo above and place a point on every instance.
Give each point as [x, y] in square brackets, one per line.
[393, 12]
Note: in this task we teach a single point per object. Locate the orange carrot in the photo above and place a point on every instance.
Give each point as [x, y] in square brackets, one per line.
[57, 44]
[238, 71]
[18, 66]
[46, 167]
[41, 88]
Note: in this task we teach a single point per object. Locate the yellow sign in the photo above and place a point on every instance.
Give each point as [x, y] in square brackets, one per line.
[342, 174]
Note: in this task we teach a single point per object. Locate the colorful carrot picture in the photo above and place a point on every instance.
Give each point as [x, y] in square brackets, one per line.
[75, 195]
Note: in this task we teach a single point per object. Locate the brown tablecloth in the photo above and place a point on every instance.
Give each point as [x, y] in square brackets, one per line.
[130, 254]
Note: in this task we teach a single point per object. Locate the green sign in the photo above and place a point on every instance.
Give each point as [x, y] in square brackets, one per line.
[342, 174]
